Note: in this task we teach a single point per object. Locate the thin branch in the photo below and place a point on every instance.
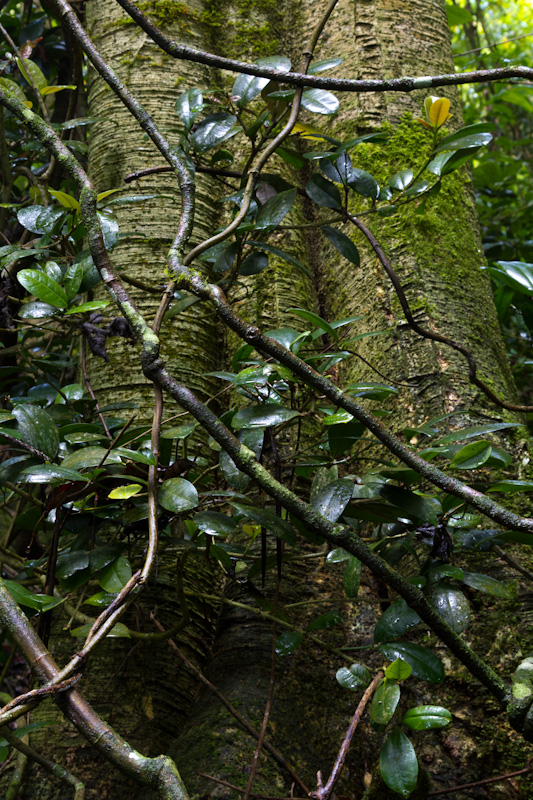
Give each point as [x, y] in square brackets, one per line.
[482, 782]
[324, 792]
[185, 53]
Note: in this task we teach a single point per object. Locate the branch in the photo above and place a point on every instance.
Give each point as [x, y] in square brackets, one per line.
[185, 53]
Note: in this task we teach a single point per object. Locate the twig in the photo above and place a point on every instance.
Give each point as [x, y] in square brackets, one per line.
[483, 782]
[241, 791]
[323, 792]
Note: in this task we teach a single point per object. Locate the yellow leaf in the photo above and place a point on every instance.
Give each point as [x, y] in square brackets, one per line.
[65, 199]
[123, 492]
[306, 131]
[54, 89]
[424, 123]
[438, 113]
[428, 102]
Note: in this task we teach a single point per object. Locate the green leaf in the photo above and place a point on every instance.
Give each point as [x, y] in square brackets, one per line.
[343, 244]
[118, 631]
[124, 493]
[37, 428]
[468, 142]
[48, 473]
[326, 621]
[287, 642]
[457, 15]
[253, 439]
[264, 415]
[66, 200]
[177, 495]
[292, 157]
[314, 319]
[511, 486]
[321, 66]
[280, 253]
[86, 308]
[364, 184]
[213, 523]
[422, 718]
[483, 583]
[31, 73]
[401, 180]
[354, 678]
[23, 596]
[213, 130]
[516, 274]
[101, 599]
[398, 763]
[472, 456]
[476, 430]
[279, 63]
[253, 264]
[72, 280]
[384, 703]
[323, 192]
[12, 89]
[146, 457]
[109, 227]
[39, 219]
[374, 391]
[43, 287]
[90, 457]
[399, 670]
[274, 210]
[246, 87]
[452, 605]
[188, 106]
[319, 101]
[469, 130]
[343, 436]
[36, 310]
[332, 499]
[115, 576]
[423, 662]
[395, 621]
[352, 577]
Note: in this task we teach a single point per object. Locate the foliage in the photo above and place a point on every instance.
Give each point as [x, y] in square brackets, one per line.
[76, 468]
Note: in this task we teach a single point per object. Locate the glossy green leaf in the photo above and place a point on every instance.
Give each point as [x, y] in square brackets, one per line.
[253, 439]
[24, 597]
[37, 428]
[43, 287]
[72, 280]
[109, 227]
[12, 89]
[90, 457]
[343, 436]
[354, 678]
[89, 307]
[423, 718]
[364, 184]
[337, 556]
[511, 486]
[115, 575]
[401, 180]
[32, 73]
[315, 320]
[413, 506]
[274, 210]
[452, 605]
[484, 583]
[321, 66]
[262, 416]
[48, 473]
[101, 599]
[188, 106]
[423, 662]
[395, 621]
[36, 310]
[326, 621]
[319, 101]
[213, 130]
[472, 455]
[287, 642]
[332, 499]
[399, 670]
[374, 391]
[66, 200]
[213, 523]
[343, 244]
[253, 264]
[177, 495]
[142, 457]
[323, 192]
[398, 763]
[384, 703]
[246, 87]
[516, 274]
[280, 253]
[70, 563]
[352, 577]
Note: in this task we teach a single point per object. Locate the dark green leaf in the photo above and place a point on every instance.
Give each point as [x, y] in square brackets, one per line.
[246, 87]
[253, 439]
[48, 473]
[39, 219]
[90, 457]
[423, 662]
[398, 763]
[273, 211]
[511, 486]
[287, 642]
[516, 274]
[374, 391]
[262, 416]
[115, 575]
[314, 319]
[109, 227]
[213, 130]
[332, 499]
[37, 428]
[483, 583]
[399, 670]
[268, 520]
[323, 192]
[452, 605]
[253, 264]
[472, 455]
[23, 596]
[395, 621]
[292, 157]
[401, 180]
[342, 243]
[343, 436]
[280, 253]
[473, 140]
[213, 523]
[43, 287]
[177, 495]
[363, 183]
[354, 678]
[422, 718]
[477, 430]
[352, 577]
[326, 621]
